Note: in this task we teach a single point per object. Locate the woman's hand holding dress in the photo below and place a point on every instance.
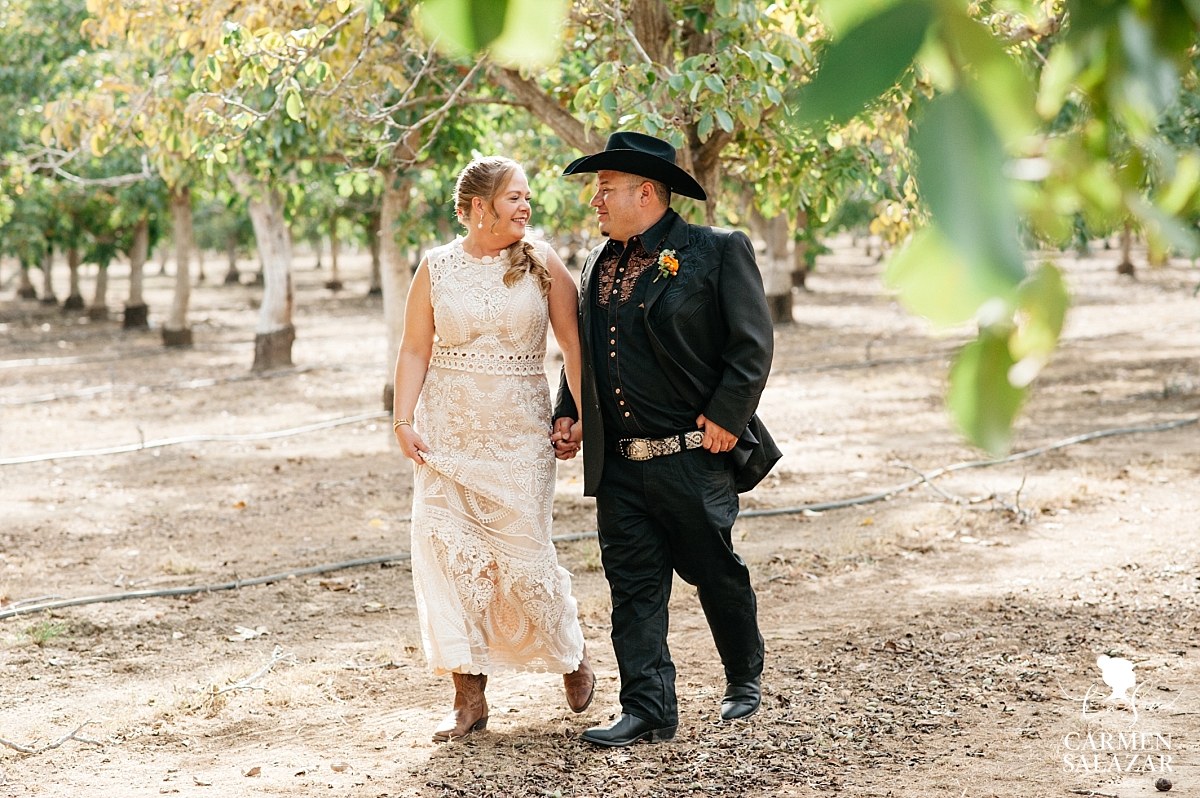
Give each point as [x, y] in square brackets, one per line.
[411, 443]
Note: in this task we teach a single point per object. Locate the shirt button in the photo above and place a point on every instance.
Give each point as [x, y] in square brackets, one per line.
[613, 341]
[618, 390]
[622, 402]
[614, 291]
[626, 414]
[612, 354]
[612, 329]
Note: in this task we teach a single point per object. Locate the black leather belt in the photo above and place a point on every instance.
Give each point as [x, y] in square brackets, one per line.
[648, 448]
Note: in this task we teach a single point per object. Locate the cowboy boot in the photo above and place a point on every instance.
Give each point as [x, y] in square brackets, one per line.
[470, 711]
[580, 685]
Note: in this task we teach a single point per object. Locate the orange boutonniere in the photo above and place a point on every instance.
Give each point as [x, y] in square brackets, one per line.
[668, 264]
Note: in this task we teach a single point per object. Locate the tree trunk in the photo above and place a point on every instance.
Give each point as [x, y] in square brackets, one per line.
[396, 274]
[74, 299]
[164, 252]
[1126, 264]
[199, 266]
[258, 276]
[176, 331]
[233, 276]
[136, 312]
[48, 296]
[800, 252]
[373, 236]
[335, 279]
[775, 265]
[275, 333]
[99, 309]
[25, 289]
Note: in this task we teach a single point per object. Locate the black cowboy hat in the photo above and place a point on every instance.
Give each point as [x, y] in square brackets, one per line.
[641, 155]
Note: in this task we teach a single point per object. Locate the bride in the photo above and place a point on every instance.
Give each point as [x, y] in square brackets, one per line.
[472, 410]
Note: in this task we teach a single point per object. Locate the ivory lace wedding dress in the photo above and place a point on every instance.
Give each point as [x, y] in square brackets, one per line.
[490, 593]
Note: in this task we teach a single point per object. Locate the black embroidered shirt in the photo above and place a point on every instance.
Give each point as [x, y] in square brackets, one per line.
[636, 398]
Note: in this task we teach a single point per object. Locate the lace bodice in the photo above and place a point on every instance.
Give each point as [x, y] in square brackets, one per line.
[482, 325]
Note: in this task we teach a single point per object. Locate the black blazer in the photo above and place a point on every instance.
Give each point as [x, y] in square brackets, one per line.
[712, 335]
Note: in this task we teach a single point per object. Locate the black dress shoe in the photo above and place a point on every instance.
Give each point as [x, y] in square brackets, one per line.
[741, 699]
[627, 730]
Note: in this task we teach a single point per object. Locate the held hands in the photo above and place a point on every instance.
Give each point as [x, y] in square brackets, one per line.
[716, 439]
[566, 438]
[411, 443]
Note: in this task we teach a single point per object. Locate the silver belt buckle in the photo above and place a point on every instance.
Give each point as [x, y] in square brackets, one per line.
[636, 448]
[694, 439]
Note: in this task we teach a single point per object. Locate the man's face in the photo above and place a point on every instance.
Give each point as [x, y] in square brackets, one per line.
[616, 202]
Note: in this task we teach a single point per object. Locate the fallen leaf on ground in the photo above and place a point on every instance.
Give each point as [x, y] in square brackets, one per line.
[200, 782]
[245, 633]
[254, 771]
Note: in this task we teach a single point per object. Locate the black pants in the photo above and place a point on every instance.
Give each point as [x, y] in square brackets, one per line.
[672, 513]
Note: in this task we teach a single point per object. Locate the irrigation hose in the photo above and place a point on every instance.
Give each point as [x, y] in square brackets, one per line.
[26, 608]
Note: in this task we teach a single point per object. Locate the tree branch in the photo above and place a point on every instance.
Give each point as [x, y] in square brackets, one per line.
[74, 735]
[707, 155]
[547, 110]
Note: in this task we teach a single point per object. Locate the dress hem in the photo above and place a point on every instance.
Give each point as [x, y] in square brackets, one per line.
[482, 670]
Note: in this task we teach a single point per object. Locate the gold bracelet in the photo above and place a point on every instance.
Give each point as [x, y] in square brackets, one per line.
[396, 424]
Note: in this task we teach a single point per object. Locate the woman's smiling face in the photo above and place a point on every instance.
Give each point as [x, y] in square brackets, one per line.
[512, 209]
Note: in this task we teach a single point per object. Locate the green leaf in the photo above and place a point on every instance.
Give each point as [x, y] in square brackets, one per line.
[999, 85]
[375, 13]
[724, 7]
[1180, 236]
[842, 15]
[704, 127]
[981, 399]
[959, 171]
[293, 105]
[1151, 81]
[715, 84]
[1183, 185]
[609, 103]
[1043, 301]
[1057, 77]
[463, 26]
[865, 63]
[774, 60]
[675, 82]
[724, 120]
[936, 282]
[774, 95]
[532, 31]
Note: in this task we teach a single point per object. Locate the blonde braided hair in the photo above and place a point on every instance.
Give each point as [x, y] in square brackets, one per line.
[486, 178]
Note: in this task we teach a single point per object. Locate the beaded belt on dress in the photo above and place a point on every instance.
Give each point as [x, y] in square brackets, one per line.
[489, 363]
[647, 448]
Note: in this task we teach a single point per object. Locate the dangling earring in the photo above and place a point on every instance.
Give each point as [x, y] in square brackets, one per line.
[481, 223]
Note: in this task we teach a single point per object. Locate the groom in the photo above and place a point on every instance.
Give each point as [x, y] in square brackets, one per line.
[677, 347]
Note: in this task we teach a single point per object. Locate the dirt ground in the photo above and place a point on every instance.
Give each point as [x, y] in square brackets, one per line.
[915, 647]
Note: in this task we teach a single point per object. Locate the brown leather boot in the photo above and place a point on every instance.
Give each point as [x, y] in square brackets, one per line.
[470, 711]
[580, 685]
